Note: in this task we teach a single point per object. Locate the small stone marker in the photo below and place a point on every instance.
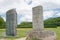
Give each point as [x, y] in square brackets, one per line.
[11, 22]
[38, 18]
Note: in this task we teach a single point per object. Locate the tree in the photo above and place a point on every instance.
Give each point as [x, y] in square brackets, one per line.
[2, 23]
[25, 25]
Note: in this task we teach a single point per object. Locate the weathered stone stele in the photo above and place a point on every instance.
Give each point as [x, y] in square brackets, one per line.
[11, 22]
[38, 18]
[38, 32]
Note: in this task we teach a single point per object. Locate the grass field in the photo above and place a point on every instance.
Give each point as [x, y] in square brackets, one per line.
[21, 32]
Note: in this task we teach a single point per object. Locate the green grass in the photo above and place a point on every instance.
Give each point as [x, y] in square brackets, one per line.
[21, 32]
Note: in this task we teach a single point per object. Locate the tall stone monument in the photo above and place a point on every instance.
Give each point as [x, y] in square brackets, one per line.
[38, 32]
[11, 22]
[38, 18]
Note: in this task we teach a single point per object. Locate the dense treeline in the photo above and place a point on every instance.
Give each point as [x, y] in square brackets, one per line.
[50, 22]
[25, 25]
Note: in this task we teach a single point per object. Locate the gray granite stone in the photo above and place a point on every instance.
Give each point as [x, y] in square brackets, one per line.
[38, 18]
[11, 22]
[41, 35]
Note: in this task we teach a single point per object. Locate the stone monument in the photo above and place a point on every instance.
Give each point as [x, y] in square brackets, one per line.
[11, 22]
[38, 18]
[38, 32]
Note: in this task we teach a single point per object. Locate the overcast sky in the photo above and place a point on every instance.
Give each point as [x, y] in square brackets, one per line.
[24, 8]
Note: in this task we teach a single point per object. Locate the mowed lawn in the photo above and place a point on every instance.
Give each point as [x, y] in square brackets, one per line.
[21, 32]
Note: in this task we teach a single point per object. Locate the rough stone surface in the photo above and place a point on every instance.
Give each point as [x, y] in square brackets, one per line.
[38, 32]
[41, 35]
[38, 18]
[11, 22]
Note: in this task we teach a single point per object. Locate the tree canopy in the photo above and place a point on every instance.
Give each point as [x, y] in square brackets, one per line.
[52, 22]
[2, 22]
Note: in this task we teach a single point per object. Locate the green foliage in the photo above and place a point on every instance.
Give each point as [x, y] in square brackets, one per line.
[2, 23]
[52, 22]
[25, 25]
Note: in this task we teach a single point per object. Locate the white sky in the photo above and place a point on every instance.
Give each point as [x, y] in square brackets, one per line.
[24, 8]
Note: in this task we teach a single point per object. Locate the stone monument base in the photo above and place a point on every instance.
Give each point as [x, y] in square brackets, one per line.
[41, 35]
